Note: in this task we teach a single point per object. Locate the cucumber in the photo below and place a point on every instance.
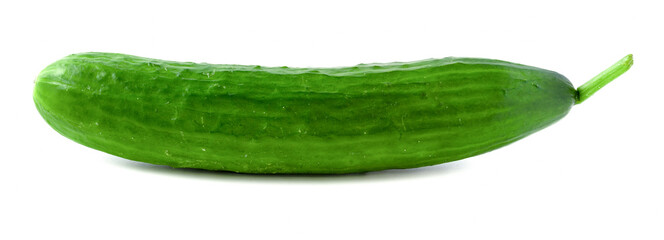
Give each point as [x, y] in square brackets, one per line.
[280, 120]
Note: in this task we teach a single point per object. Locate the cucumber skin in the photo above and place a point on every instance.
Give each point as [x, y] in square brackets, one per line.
[253, 119]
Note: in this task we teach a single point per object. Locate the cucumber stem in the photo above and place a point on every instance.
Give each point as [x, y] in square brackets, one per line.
[590, 87]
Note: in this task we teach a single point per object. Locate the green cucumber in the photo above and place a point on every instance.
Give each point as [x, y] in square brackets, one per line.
[268, 120]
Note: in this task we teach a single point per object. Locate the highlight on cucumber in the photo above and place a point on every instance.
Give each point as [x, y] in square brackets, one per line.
[281, 120]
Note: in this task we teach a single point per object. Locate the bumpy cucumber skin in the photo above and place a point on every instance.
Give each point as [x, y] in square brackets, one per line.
[253, 119]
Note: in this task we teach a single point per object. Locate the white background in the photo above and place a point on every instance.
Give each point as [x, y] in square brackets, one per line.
[596, 174]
